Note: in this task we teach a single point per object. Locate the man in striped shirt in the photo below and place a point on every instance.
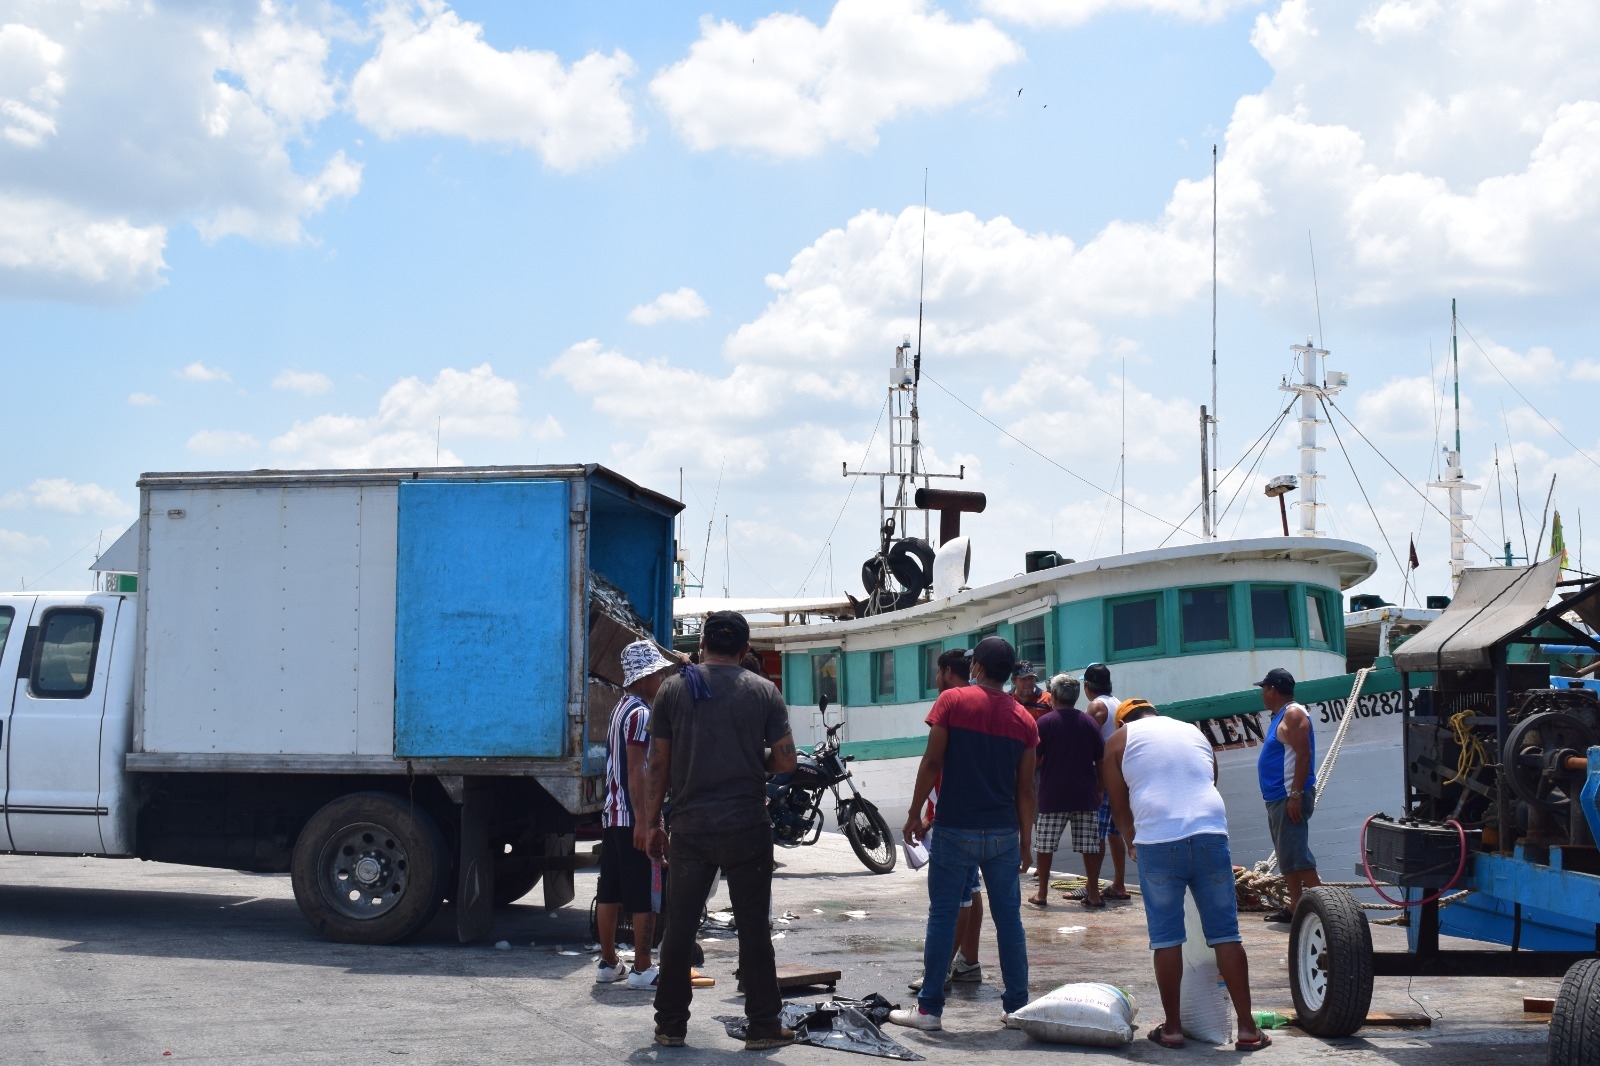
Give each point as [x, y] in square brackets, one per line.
[627, 876]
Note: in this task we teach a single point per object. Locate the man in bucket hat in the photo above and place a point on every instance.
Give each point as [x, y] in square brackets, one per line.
[627, 876]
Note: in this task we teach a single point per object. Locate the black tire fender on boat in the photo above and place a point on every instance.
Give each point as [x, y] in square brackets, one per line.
[911, 563]
[872, 574]
[1330, 962]
[1575, 1021]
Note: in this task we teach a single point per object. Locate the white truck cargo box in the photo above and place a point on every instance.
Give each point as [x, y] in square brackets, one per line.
[269, 614]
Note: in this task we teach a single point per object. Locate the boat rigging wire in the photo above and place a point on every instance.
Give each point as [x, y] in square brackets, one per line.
[1553, 427]
[828, 540]
[1316, 294]
[1265, 436]
[1351, 423]
[705, 556]
[1405, 574]
[1516, 481]
[1070, 473]
[1265, 441]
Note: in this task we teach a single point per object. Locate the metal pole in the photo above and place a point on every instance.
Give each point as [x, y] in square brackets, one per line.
[1212, 505]
[1205, 479]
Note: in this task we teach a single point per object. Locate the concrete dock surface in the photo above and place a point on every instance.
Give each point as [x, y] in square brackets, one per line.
[125, 962]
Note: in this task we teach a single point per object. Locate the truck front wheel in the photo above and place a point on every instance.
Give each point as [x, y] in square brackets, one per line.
[369, 868]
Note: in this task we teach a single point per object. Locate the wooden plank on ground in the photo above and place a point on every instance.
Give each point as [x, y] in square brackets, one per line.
[797, 975]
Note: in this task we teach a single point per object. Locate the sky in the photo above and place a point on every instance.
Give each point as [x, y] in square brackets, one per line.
[238, 234]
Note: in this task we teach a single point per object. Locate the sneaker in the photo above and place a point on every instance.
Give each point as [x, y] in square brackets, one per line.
[668, 1039]
[966, 972]
[611, 972]
[1011, 1021]
[642, 980]
[915, 984]
[916, 1019]
[763, 1035]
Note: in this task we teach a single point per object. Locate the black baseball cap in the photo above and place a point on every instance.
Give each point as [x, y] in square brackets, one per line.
[996, 656]
[726, 628]
[1278, 678]
[1024, 669]
[1098, 675]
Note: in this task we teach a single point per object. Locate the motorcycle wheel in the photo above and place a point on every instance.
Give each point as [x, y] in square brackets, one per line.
[869, 836]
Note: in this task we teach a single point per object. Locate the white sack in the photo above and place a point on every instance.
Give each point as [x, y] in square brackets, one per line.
[1203, 1004]
[1091, 1013]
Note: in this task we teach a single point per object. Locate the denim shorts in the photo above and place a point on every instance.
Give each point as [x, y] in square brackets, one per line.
[1292, 840]
[1200, 864]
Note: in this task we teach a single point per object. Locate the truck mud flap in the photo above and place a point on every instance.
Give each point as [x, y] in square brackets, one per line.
[475, 884]
[560, 886]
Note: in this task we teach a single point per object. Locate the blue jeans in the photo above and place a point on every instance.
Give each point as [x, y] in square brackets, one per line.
[955, 855]
[1201, 865]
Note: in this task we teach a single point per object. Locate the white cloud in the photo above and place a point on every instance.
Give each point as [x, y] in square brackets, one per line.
[119, 122]
[1586, 370]
[221, 442]
[787, 87]
[1396, 19]
[414, 419]
[1406, 407]
[13, 543]
[1075, 12]
[67, 497]
[198, 371]
[681, 306]
[30, 82]
[51, 248]
[142, 399]
[306, 382]
[434, 73]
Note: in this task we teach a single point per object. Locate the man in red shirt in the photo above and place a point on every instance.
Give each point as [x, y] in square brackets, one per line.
[983, 742]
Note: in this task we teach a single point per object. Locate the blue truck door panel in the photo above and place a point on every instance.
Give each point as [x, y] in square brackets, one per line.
[481, 626]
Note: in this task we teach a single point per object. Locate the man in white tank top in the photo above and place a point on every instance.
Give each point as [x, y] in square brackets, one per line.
[1103, 709]
[1161, 776]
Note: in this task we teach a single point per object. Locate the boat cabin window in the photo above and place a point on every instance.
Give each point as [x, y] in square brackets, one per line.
[63, 664]
[1030, 643]
[1206, 616]
[883, 676]
[825, 677]
[1316, 620]
[928, 655]
[1270, 615]
[1135, 627]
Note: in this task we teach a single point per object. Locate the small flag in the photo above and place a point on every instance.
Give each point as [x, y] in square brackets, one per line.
[1558, 542]
[1415, 562]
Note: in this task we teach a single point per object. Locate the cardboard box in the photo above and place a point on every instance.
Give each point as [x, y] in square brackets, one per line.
[607, 638]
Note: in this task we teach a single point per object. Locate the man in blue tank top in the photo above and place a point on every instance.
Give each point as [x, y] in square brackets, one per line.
[1289, 785]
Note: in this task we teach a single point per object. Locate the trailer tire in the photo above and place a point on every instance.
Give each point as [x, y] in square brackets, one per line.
[1575, 1021]
[370, 868]
[1330, 962]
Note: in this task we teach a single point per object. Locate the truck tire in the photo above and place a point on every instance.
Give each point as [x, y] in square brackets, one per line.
[515, 876]
[370, 868]
[1575, 1021]
[1330, 962]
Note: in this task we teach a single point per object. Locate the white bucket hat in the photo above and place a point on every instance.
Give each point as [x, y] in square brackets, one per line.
[641, 659]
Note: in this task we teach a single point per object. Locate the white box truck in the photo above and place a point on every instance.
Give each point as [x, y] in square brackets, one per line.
[393, 684]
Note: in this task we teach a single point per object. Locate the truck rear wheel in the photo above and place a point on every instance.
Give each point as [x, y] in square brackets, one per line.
[369, 868]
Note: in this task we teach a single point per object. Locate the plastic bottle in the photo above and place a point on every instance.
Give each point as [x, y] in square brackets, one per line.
[1269, 1019]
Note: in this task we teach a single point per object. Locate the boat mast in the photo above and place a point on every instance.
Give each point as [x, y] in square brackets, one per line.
[1311, 394]
[1453, 480]
[1210, 522]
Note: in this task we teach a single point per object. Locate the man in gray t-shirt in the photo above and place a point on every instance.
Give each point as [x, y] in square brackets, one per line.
[716, 732]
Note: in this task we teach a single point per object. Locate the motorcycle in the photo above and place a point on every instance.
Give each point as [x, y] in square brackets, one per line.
[794, 800]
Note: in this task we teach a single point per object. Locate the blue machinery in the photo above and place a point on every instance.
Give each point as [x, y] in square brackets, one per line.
[1502, 800]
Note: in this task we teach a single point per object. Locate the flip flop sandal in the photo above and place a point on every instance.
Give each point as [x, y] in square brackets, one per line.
[1077, 895]
[1279, 917]
[700, 980]
[1094, 906]
[1158, 1035]
[1261, 1041]
[1039, 903]
[1118, 896]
